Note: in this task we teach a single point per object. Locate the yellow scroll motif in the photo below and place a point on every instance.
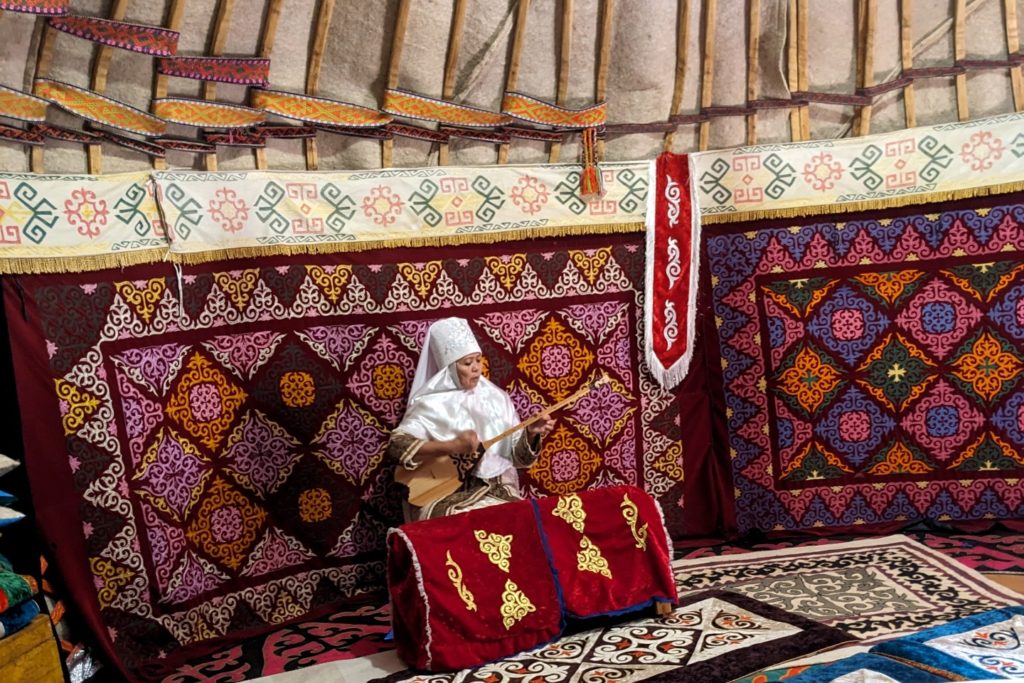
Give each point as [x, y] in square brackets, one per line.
[514, 604]
[497, 548]
[632, 515]
[570, 508]
[590, 559]
[455, 575]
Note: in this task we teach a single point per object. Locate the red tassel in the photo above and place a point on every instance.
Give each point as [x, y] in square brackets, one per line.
[591, 186]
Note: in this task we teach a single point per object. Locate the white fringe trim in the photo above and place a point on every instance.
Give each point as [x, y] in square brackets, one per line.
[423, 594]
[671, 376]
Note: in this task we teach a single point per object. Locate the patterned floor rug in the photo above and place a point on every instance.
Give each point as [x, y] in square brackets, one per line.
[996, 551]
[809, 576]
[873, 589]
[711, 636]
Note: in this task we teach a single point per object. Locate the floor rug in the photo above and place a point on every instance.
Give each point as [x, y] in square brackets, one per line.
[873, 589]
[993, 552]
[711, 636]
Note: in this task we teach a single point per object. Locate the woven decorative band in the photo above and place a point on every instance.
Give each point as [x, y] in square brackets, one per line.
[15, 134]
[184, 145]
[36, 6]
[84, 137]
[417, 133]
[206, 114]
[316, 109]
[534, 134]
[498, 137]
[241, 70]
[535, 111]
[98, 109]
[412, 106]
[150, 40]
[382, 133]
[236, 138]
[15, 104]
[287, 132]
[135, 145]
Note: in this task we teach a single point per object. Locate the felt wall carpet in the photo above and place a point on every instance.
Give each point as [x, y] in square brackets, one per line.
[207, 450]
[872, 364]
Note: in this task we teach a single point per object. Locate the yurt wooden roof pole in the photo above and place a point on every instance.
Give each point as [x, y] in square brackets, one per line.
[450, 66]
[802, 82]
[394, 61]
[266, 47]
[603, 60]
[316, 60]
[220, 36]
[708, 70]
[512, 78]
[565, 50]
[868, 12]
[98, 81]
[907, 60]
[44, 58]
[753, 64]
[174, 15]
[682, 54]
[960, 52]
[792, 78]
[1013, 48]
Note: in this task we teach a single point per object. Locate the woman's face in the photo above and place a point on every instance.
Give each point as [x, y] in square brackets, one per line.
[469, 369]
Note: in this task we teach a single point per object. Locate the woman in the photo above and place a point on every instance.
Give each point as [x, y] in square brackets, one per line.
[452, 409]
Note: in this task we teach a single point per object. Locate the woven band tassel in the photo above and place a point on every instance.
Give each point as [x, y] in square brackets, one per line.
[590, 180]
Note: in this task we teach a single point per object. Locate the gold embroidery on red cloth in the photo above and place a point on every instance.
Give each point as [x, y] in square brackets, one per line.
[455, 576]
[570, 508]
[497, 548]
[514, 604]
[632, 515]
[590, 559]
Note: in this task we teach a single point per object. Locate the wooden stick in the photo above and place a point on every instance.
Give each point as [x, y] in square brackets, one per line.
[708, 71]
[753, 64]
[316, 58]
[792, 60]
[603, 57]
[682, 53]
[173, 22]
[216, 48]
[960, 52]
[450, 67]
[802, 82]
[1012, 48]
[870, 13]
[44, 58]
[513, 64]
[98, 83]
[266, 47]
[395, 61]
[565, 49]
[583, 391]
[907, 61]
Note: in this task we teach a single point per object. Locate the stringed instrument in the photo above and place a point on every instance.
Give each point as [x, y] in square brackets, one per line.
[440, 477]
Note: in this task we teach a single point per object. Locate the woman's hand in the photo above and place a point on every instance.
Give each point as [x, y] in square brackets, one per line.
[542, 427]
[465, 442]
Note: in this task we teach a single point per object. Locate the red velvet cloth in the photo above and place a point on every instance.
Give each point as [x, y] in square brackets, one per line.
[448, 587]
[635, 575]
[434, 628]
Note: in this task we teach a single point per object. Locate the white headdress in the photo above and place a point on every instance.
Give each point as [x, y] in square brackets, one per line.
[439, 407]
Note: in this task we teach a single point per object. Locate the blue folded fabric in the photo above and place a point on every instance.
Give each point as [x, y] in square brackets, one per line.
[9, 516]
[18, 617]
[866, 665]
[984, 646]
[7, 498]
